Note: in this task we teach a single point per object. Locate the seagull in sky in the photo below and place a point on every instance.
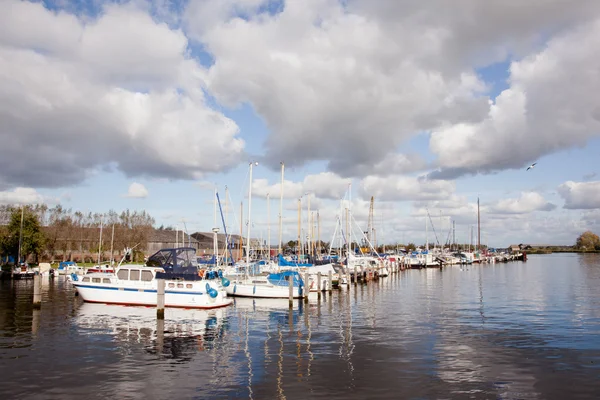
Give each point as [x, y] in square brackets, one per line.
[531, 166]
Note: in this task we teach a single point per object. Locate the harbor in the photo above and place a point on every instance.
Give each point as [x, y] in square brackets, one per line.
[473, 331]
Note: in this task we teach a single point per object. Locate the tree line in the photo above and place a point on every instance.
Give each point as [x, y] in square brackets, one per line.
[59, 234]
[588, 241]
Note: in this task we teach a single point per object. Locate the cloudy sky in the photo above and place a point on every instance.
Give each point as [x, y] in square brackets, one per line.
[151, 104]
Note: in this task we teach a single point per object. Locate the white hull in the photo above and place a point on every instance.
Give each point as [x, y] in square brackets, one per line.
[193, 294]
[261, 290]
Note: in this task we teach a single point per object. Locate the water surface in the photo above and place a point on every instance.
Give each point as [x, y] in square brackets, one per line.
[511, 331]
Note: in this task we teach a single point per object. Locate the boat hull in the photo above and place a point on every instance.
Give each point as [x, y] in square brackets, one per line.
[196, 297]
[262, 291]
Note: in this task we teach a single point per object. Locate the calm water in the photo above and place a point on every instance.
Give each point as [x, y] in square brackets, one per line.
[511, 331]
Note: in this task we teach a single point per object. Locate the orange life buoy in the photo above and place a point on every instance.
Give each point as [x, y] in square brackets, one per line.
[201, 273]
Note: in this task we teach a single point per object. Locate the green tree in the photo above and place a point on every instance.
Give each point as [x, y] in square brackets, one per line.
[587, 241]
[410, 247]
[31, 236]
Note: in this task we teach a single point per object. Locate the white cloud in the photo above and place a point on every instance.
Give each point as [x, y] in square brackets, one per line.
[325, 185]
[580, 195]
[552, 104]
[21, 195]
[332, 85]
[137, 191]
[402, 188]
[528, 202]
[350, 82]
[119, 89]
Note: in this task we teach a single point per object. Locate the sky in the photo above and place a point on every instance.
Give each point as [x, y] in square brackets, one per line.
[425, 106]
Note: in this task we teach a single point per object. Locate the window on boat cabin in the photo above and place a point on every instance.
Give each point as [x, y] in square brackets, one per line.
[188, 286]
[86, 279]
[96, 280]
[105, 280]
[146, 276]
[123, 274]
[134, 274]
[171, 285]
[180, 285]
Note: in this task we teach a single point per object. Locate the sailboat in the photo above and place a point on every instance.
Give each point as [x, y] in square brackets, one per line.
[275, 285]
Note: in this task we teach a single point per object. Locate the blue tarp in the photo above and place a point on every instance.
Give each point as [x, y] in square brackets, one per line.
[285, 263]
[282, 278]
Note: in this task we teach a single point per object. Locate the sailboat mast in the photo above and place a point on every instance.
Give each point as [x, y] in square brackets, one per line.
[478, 228]
[215, 233]
[280, 251]
[349, 222]
[100, 243]
[269, 225]
[318, 234]
[426, 230]
[241, 244]
[308, 227]
[299, 247]
[249, 216]
[112, 239]
[20, 236]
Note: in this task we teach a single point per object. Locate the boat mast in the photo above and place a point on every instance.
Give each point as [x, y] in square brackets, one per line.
[20, 236]
[280, 250]
[318, 235]
[478, 228]
[112, 238]
[299, 247]
[349, 224]
[426, 231]
[215, 233]
[309, 226]
[100, 243]
[269, 226]
[249, 216]
[241, 244]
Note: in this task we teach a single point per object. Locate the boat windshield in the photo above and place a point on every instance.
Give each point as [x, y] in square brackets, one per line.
[176, 260]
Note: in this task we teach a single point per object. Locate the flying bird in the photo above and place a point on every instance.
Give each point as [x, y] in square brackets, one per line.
[531, 166]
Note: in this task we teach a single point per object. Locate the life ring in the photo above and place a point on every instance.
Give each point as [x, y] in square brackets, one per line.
[201, 273]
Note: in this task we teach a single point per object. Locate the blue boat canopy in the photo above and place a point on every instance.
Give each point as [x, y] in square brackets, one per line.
[283, 278]
[178, 263]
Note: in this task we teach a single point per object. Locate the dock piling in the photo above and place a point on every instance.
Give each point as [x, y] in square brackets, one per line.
[37, 291]
[331, 281]
[160, 299]
[319, 287]
[306, 287]
[291, 295]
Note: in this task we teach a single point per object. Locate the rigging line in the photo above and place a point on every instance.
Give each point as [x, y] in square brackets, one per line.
[433, 228]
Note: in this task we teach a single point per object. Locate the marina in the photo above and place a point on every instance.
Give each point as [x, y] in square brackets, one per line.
[493, 330]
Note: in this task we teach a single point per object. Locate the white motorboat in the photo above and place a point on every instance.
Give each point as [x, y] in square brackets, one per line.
[185, 285]
[272, 286]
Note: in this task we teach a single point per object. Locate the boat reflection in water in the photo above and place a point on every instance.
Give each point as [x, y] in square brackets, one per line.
[182, 333]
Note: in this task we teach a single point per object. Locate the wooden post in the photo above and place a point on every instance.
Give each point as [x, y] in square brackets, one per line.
[355, 275]
[348, 277]
[331, 281]
[160, 299]
[319, 284]
[160, 335]
[37, 291]
[291, 286]
[306, 286]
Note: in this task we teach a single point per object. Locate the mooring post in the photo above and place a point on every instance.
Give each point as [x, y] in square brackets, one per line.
[160, 299]
[160, 335]
[331, 281]
[291, 294]
[348, 280]
[306, 287]
[37, 291]
[319, 284]
[355, 275]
